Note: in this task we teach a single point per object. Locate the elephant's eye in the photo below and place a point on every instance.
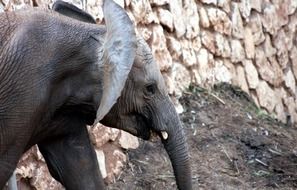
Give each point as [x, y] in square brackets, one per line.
[150, 90]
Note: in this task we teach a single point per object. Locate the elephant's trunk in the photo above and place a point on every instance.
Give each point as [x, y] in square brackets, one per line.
[177, 150]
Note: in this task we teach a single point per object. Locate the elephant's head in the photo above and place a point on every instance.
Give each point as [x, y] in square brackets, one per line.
[134, 97]
[144, 107]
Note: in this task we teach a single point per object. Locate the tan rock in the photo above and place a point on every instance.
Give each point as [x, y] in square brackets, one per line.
[283, 58]
[191, 19]
[221, 72]
[101, 162]
[127, 3]
[222, 47]
[219, 20]
[38, 154]
[36, 171]
[181, 78]
[203, 66]
[196, 79]
[270, 19]
[166, 18]
[159, 48]
[240, 78]
[231, 68]
[237, 51]
[278, 73]
[290, 34]
[249, 43]
[93, 2]
[178, 107]
[280, 94]
[128, 141]
[168, 79]
[255, 25]
[268, 48]
[213, 2]
[204, 21]
[95, 9]
[43, 180]
[282, 11]
[293, 58]
[1, 8]
[196, 44]
[256, 4]
[115, 161]
[280, 111]
[100, 134]
[254, 96]
[251, 74]
[269, 70]
[291, 108]
[292, 6]
[237, 26]
[175, 7]
[189, 57]
[159, 2]
[174, 47]
[163, 59]
[131, 16]
[208, 41]
[245, 8]
[145, 32]
[266, 96]
[293, 22]
[225, 5]
[290, 82]
[281, 43]
[142, 12]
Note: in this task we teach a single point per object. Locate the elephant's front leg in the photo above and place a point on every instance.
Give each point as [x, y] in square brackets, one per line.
[71, 158]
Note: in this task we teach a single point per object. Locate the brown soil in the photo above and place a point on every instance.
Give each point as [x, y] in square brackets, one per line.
[233, 145]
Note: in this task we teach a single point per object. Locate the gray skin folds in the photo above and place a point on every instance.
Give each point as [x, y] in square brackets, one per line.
[59, 72]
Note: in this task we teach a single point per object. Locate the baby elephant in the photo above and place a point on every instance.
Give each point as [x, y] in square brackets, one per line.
[59, 72]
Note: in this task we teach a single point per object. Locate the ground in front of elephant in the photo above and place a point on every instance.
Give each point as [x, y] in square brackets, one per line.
[233, 145]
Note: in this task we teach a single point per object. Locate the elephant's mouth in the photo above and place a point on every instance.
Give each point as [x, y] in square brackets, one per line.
[157, 135]
[144, 128]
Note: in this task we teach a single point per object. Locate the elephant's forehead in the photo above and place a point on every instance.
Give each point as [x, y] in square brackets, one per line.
[145, 67]
[145, 63]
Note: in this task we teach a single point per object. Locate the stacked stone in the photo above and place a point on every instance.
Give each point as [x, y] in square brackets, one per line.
[249, 43]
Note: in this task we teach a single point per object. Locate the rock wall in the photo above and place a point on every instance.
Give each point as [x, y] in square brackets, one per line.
[250, 43]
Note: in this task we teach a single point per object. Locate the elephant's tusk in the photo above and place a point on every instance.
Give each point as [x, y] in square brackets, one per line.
[164, 135]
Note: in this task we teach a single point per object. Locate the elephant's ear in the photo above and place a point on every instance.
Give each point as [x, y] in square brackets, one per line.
[118, 56]
[72, 11]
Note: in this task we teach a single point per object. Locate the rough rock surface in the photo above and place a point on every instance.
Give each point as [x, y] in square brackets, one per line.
[250, 43]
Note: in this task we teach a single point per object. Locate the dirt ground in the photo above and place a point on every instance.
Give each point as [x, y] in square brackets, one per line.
[232, 143]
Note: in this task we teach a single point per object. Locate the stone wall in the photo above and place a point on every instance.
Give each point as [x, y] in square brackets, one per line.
[250, 43]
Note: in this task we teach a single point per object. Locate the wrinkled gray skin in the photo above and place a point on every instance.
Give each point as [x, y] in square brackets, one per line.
[58, 74]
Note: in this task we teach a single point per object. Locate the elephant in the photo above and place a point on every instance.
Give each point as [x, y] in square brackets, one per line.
[60, 71]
